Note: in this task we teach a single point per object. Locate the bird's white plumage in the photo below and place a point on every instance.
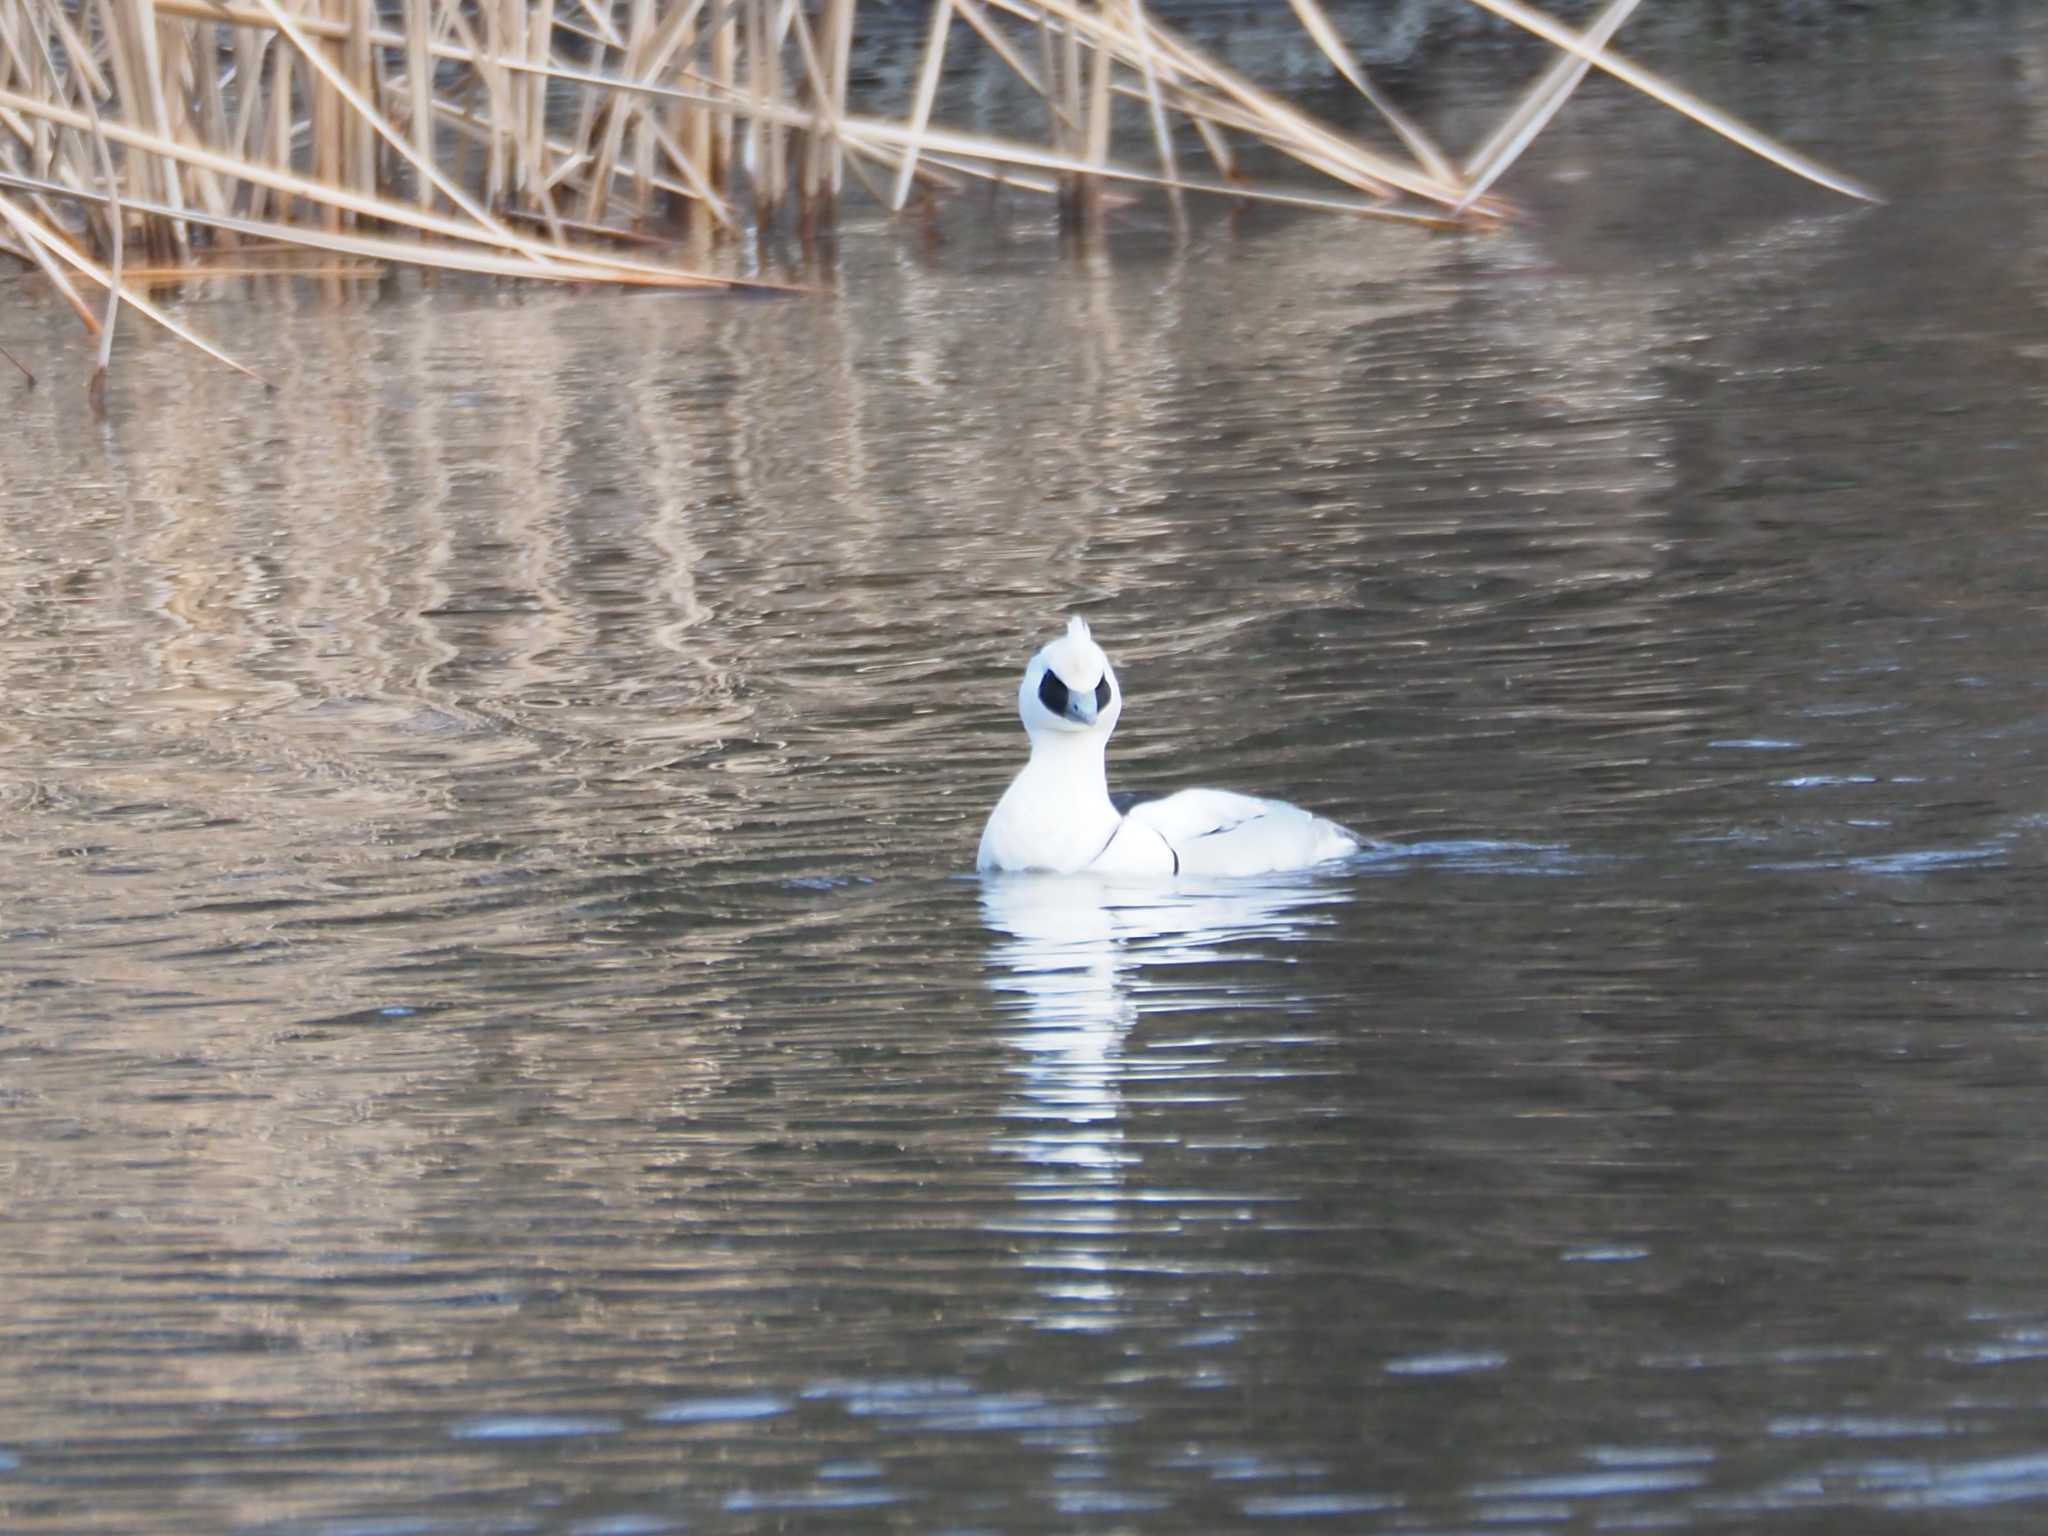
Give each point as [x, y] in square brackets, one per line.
[1057, 815]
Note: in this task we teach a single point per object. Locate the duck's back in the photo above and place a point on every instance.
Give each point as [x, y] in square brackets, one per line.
[1220, 832]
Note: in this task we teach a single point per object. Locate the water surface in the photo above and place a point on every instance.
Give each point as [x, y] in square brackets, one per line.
[499, 1033]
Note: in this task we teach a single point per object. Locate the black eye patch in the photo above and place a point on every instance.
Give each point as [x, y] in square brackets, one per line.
[1102, 694]
[1052, 693]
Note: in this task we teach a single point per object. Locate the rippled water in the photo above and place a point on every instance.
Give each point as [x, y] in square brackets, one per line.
[499, 1033]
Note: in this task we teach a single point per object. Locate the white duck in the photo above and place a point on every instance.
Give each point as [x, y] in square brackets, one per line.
[1057, 814]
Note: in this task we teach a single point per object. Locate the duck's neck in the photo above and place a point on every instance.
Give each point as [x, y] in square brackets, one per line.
[1072, 767]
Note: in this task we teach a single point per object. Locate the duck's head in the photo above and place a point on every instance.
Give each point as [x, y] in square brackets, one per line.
[1069, 689]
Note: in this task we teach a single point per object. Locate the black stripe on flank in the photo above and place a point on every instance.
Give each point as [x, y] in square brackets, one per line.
[1123, 804]
[1112, 838]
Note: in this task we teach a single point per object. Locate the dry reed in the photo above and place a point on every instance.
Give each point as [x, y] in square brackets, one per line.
[544, 138]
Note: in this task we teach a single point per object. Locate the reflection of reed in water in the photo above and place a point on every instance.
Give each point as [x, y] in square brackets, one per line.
[1080, 963]
[392, 551]
[299, 671]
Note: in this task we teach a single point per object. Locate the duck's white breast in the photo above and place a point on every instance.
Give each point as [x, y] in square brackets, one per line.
[1041, 824]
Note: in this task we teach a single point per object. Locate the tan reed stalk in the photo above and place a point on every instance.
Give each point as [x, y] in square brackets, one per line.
[1316, 23]
[96, 389]
[325, 114]
[839, 62]
[25, 53]
[419, 86]
[691, 126]
[817, 186]
[1073, 186]
[1678, 100]
[1098, 128]
[540, 263]
[202, 53]
[560, 121]
[24, 226]
[149, 63]
[693, 185]
[940, 25]
[772, 19]
[1005, 154]
[25, 371]
[534, 124]
[997, 44]
[573, 266]
[92, 269]
[284, 74]
[117, 242]
[845, 151]
[788, 142]
[324, 27]
[651, 42]
[812, 88]
[356, 65]
[678, 36]
[1288, 129]
[79, 53]
[724, 68]
[633, 114]
[1518, 130]
[26, 230]
[753, 30]
[1155, 105]
[618, 111]
[1058, 124]
[117, 28]
[390, 135]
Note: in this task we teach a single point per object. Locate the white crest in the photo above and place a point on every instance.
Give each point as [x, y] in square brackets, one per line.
[1075, 656]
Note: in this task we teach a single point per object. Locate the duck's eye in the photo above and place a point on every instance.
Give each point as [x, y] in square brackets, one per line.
[1102, 694]
[1052, 693]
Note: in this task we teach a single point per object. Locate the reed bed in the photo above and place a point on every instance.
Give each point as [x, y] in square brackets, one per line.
[567, 140]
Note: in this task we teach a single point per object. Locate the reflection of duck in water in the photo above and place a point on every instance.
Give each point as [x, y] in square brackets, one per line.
[1078, 959]
[1076, 963]
[1057, 814]
[1071, 946]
